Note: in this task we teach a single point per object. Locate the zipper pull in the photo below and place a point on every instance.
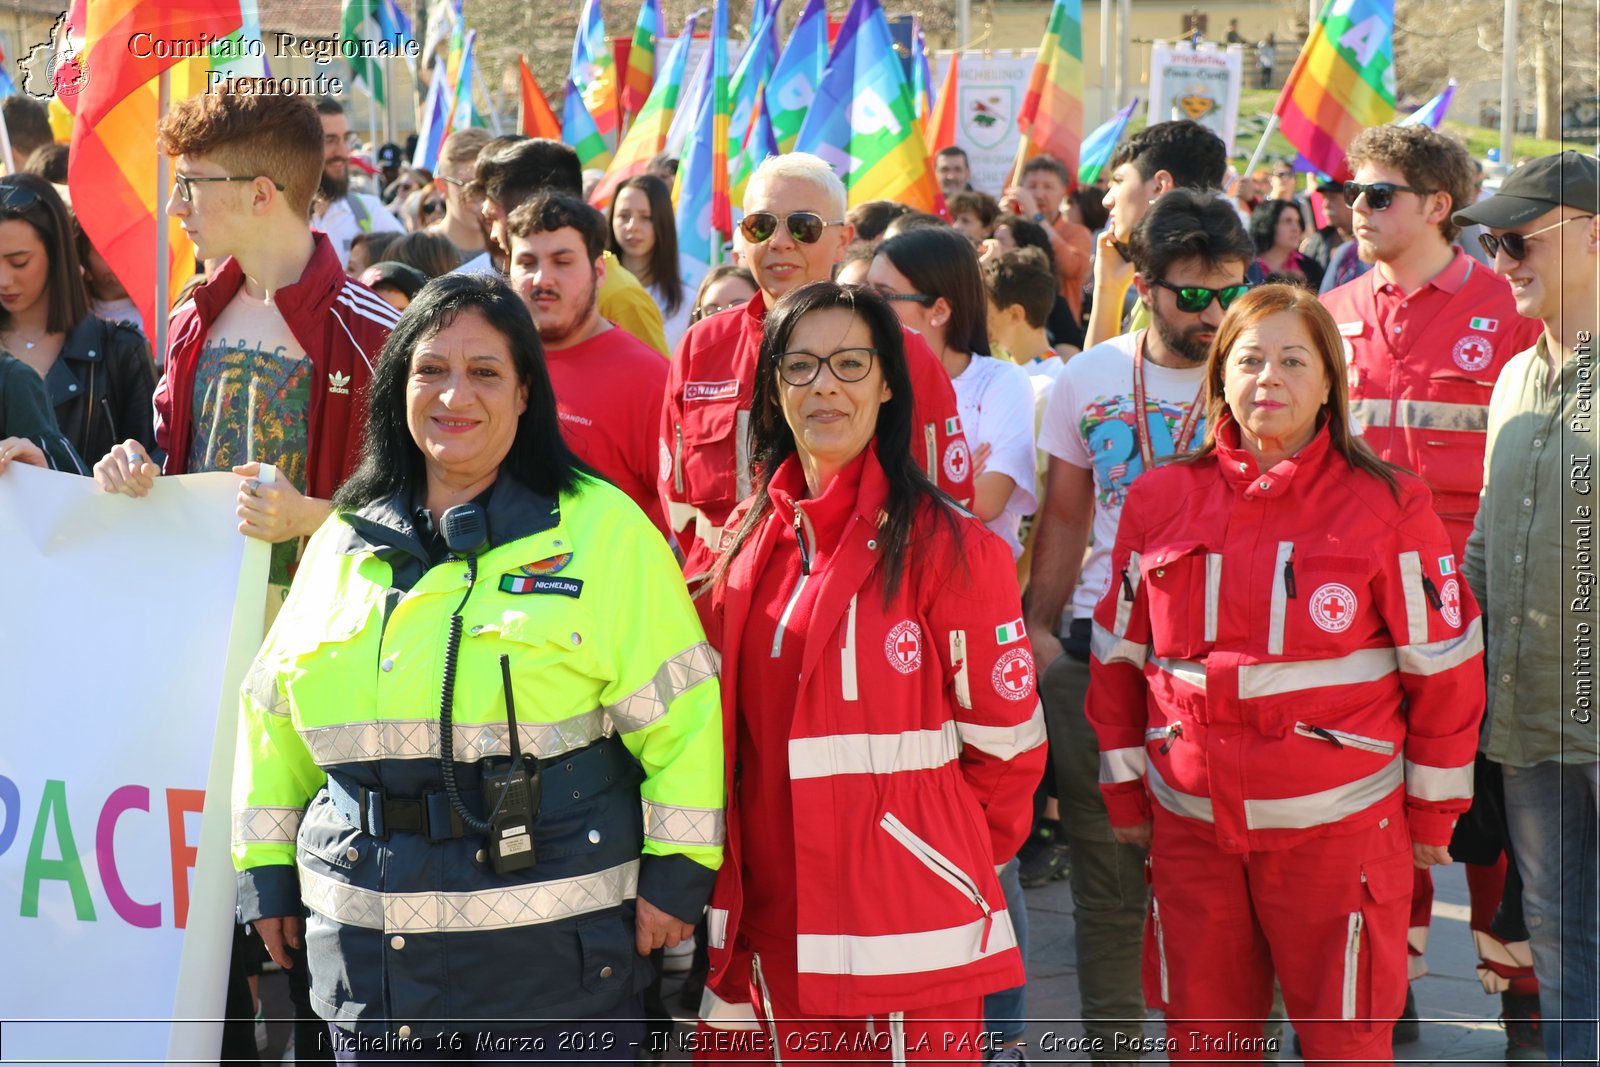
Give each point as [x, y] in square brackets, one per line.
[1127, 585]
[1288, 576]
[1435, 601]
[1326, 736]
[1174, 732]
[800, 539]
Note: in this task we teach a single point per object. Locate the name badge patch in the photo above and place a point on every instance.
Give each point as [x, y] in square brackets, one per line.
[1352, 329]
[521, 585]
[710, 390]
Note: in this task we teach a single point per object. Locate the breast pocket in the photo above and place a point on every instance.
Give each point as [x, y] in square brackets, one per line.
[1326, 596]
[555, 691]
[1183, 584]
[319, 677]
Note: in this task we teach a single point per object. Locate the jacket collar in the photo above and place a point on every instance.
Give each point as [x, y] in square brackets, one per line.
[826, 516]
[84, 342]
[1239, 470]
[388, 526]
[316, 288]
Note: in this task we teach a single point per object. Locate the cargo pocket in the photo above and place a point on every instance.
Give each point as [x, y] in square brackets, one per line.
[1184, 584]
[708, 458]
[1156, 982]
[608, 955]
[1374, 961]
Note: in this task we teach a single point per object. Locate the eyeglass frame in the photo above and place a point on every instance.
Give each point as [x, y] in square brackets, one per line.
[1492, 244]
[184, 183]
[1211, 294]
[1382, 189]
[705, 310]
[783, 220]
[892, 297]
[872, 355]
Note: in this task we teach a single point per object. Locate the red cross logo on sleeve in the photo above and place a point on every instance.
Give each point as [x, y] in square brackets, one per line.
[957, 460]
[1013, 674]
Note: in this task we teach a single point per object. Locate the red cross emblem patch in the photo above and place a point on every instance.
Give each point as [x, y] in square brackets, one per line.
[903, 646]
[1450, 602]
[957, 460]
[1333, 607]
[1473, 352]
[1013, 674]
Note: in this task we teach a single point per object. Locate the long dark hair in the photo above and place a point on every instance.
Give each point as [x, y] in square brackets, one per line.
[665, 274]
[1264, 222]
[33, 200]
[939, 261]
[391, 462]
[772, 442]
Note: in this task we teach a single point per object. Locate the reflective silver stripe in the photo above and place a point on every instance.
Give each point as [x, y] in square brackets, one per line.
[1213, 592]
[261, 684]
[675, 677]
[847, 656]
[280, 825]
[958, 656]
[680, 515]
[930, 440]
[1005, 742]
[914, 750]
[484, 909]
[1280, 600]
[1292, 676]
[741, 454]
[1352, 960]
[1123, 764]
[1438, 783]
[357, 742]
[1124, 603]
[1288, 813]
[716, 927]
[1346, 738]
[1416, 598]
[919, 953]
[1422, 415]
[1161, 949]
[1187, 671]
[1436, 657]
[721, 1014]
[1107, 647]
[1328, 806]
[683, 826]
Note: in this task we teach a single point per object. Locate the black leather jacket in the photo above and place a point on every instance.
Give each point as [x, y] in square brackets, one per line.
[101, 387]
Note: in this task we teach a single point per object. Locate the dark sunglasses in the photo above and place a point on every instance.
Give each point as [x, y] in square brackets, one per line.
[186, 183]
[16, 197]
[1195, 298]
[802, 368]
[1513, 243]
[1379, 194]
[432, 207]
[804, 226]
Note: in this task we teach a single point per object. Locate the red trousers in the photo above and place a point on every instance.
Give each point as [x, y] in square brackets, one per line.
[1327, 917]
[758, 1018]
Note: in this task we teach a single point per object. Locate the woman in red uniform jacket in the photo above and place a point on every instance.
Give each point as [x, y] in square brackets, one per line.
[1287, 678]
[884, 735]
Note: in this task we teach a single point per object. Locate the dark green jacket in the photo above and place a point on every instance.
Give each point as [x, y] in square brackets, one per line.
[25, 412]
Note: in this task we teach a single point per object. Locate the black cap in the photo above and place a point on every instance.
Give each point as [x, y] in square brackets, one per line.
[392, 274]
[389, 155]
[1567, 179]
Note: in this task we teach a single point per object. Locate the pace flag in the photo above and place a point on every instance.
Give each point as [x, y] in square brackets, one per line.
[1051, 119]
[640, 75]
[1432, 113]
[1099, 145]
[797, 74]
[1342, 83]
[648, 134]
[705, 220]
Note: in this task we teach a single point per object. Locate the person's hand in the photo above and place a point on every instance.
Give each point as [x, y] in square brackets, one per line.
[1111, 269]
[1046, 647]
[1425, 856]
[654, 928]
[980, 459]
[1134, 835]
[280, 934]
[21, 450]
[275, 511]
[127, 470]
[1019, 201]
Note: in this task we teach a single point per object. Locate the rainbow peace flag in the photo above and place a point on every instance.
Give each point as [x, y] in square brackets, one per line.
[1432, 113]
[1099, 145]
[1051, 119]
[797, 74]
[594, 72]
[431, 124]
[921, 75]
[939, 127]
[704, 217]
[759, 143]
[753, 71]
[863, 120]
[1342, 83]
[648, 133]
[640, 76]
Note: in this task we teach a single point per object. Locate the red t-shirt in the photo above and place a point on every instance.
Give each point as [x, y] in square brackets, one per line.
[608, 394]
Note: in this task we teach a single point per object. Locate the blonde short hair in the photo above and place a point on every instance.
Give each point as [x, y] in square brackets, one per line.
[803, 166]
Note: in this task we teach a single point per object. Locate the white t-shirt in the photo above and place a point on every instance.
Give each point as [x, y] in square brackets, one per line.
[674, 326]
[340, 224]
[1089, 423]
[995, 401]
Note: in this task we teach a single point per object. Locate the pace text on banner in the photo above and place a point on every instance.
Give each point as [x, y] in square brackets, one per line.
[142, 619]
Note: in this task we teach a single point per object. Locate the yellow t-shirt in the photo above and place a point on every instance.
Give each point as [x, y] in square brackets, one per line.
[625, 303]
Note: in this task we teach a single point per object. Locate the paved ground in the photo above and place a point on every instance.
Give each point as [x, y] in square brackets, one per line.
[1459, 1021]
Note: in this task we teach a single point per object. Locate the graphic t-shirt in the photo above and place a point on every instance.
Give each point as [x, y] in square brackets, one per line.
[995, 401]
[252, 402]
[1090, 423]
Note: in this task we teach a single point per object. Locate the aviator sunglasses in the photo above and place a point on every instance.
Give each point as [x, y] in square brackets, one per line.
[1379, 194]
[804, 226]
[1513, 243]
[1195, 298]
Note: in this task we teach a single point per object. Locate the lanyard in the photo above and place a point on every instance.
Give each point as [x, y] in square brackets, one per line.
[1141, 418]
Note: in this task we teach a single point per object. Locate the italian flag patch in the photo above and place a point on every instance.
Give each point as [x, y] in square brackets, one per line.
[1447, 565]
[1010, 632]
[1486, 325]
[952, 425]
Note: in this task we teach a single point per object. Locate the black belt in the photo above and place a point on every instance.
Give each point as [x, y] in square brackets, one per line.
[567, 779]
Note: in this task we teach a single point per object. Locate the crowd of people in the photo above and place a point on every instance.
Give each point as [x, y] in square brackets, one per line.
[788, 623]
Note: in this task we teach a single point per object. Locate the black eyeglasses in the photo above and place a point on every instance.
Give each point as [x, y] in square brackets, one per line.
[847, 365]
[185, 183]
[804, 226]
[904, 298]
[1513, 243]
[1196, 298]
[17, 198]
[1379, 194]
[432, 207]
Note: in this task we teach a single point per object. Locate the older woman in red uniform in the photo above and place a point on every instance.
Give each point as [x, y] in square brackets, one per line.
[884, 738]
[1286, 682]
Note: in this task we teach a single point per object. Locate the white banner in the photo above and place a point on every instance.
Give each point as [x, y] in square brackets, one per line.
[1202, 85]
[128, 626]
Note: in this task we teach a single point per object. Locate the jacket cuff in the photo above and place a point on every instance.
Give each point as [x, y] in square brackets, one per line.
[1430, 827]
[676, 884]
[269, 892]
[1127, 807]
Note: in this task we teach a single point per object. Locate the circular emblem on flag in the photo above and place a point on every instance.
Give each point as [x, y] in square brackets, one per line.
[1333, 607]
[553, 565]
[957, 460]
[1450, 602]
[1472, 352]
[903, 646]
[1013, 674]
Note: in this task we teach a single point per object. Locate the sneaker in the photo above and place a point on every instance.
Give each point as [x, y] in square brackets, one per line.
[1519, 1014]
[678, 958]
[1043, 858]
[1407, 1029]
